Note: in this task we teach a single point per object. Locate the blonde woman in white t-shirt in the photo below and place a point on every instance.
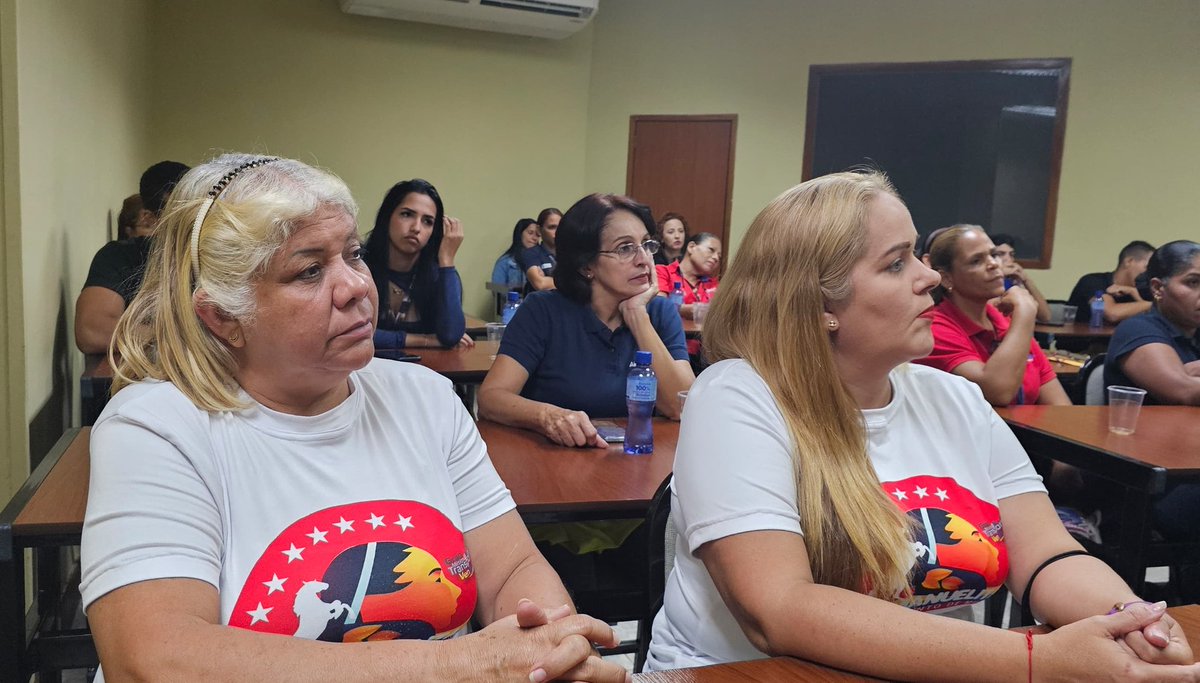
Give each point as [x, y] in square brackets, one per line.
[827, 493]
[257, 474]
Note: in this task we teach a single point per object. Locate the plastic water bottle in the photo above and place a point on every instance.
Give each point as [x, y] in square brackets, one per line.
[1097, 306]
[676, 296]
[510, 306]
[641, 387]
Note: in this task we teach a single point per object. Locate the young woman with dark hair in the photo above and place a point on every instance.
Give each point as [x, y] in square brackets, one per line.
[672, 232]
[507, 271]
[411, 256]
[564, 356]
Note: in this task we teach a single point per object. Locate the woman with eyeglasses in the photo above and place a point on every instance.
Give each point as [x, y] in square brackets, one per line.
[566, 353]
[990, 345]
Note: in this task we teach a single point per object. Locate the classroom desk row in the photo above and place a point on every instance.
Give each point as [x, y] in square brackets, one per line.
[551, 483]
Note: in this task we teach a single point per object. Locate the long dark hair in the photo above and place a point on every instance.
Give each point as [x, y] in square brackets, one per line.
[578, 239]
[515, 249]
[378, 245]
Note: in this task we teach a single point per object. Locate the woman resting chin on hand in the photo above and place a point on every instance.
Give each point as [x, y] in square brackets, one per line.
[565, 354]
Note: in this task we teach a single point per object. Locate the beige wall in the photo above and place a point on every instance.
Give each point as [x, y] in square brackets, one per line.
[505, 125]
[496, 122]
[13, 443]
[1133, 129]
[81, 99]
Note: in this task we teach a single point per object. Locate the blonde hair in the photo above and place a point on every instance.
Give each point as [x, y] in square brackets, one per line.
[796, 259]
[160, 336]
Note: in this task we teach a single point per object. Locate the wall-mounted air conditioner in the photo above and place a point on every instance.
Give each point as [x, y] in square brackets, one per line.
[541, 18]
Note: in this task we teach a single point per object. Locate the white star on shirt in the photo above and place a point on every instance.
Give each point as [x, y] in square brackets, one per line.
[260, 614]
[900, 495]
[921, 492]
[403, 522]
[275, 584]
[941, 493]
[344, 525]
[293, 553]
[376, 521]
[317, 536]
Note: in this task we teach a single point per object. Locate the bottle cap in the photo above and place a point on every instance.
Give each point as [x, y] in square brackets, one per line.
[642, 357]
[678, 285]
[1099, 292]
[513, 296]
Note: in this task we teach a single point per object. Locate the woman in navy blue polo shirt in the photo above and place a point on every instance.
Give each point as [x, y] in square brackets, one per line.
[566, 353]
[1159, 351]
[411, 256]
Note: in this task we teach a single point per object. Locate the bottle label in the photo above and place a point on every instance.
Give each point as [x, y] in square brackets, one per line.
[641, 388]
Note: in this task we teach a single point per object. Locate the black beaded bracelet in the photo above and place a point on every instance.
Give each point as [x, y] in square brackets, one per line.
[1026, 610]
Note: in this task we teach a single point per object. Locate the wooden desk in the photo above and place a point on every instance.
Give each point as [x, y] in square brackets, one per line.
[788, 669]
[553, 483]
[461, 366]
[1075, 330]
[46, 514]
[690, 329]
[1064, 369]
[476, 327]
[1166, 444]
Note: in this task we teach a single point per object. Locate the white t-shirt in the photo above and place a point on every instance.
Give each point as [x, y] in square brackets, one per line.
[939, 450]
[343, 526]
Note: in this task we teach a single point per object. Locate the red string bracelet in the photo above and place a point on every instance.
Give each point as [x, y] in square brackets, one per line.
[1029, 647]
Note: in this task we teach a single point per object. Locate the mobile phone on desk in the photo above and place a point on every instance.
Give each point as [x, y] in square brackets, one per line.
[610, 431]
[397, 354]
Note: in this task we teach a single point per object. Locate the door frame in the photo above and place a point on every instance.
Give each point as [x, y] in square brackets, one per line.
[732, 119]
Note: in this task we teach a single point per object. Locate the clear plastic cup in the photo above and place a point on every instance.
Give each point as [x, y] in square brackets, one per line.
[682, 399]
[495, 331]
[1124, 404]
[699, 310]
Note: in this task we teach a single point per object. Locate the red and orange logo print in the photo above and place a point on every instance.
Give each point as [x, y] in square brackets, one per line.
[377, 570]
[958, 542]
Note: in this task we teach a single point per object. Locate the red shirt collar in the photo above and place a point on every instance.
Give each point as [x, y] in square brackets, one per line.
[954, 313]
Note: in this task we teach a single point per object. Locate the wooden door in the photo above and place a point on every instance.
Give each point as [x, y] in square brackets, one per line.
[684, 164]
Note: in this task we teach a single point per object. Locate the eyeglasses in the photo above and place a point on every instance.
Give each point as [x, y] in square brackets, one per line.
[626, 251]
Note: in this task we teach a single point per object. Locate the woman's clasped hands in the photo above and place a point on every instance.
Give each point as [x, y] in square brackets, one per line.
[1141, 643]
[538, 644]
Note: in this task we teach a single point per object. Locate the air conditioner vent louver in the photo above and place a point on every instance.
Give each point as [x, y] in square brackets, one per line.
[555, 8]
[541, 18]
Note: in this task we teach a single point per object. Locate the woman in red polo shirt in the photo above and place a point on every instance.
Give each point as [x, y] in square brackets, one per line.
[991, 346]
[696, 272]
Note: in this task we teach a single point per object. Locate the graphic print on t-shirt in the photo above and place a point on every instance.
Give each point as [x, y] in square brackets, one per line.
[958, 541]
[377, 570]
